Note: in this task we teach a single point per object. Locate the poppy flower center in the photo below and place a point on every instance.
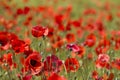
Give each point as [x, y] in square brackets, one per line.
[33, 62]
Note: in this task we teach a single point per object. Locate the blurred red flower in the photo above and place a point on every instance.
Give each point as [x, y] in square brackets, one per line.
[72, 64]
[70, 37]
[73, 47]
[116, 63]
[38, 31]
[103, 46]
[18, 45]
[90, 40]
[102, 60]
[8, 59]
[81, 52]
[52, 63]
[27, 77]
[95, 74]
[5, 39]
[55, 76]
[33, 63]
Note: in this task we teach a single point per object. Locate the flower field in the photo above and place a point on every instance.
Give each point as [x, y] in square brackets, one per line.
[59, 39]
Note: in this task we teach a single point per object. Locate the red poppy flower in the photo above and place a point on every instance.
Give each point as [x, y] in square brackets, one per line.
[111, 76]
[76, 23]
[19, 11]
[80, 33]
[90, 11]
[18, 45]
[70, 38]
[68, 26]
[100, 78]
[90, 56]
[33, 63]
[102, 60]
[27, 77]
[71, 64]
[38, 31]
[90, 26]
[5, 39]
[77, 50]
[109, 17]
[117, 44]
[103, 46]
[81, 52]
[95, 74]
[73, 47]
[61, 27]
[116, 63]
[51, 31]
[59, 19]
[26, 10]
[99, 25]
[90, 40]
[12, 36]
[55, 76]
[52, 63]
[8, 59]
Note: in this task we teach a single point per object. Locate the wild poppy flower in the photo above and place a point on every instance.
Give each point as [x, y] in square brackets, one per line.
[8, 58]
[52, 63]
[90, 56]
[100, 78]
[26, 10]
[95, 74]
[73, 47]
[27, 77]
[102, 60]
[51, 32]
[76, 49]
[76, 23]
[19, 11]
[81, 51]
[12, 36]
[90, 40]
[55, 76]
[70, 37]
[61, 27]
[18, 45]
[111, 76]
[71, 64]
[109, 17]
[5, 39]
[99, 25]
[80, 33]
[33, 63]
[117, 44]
[116, 63]
[90, 11]
[68, 26]
[90, 26]
[38, 31]
[103, 46]
[59, 19]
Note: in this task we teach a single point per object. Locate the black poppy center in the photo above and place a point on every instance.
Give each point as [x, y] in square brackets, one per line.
[33, 62]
